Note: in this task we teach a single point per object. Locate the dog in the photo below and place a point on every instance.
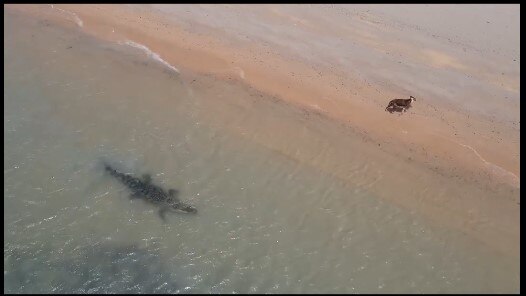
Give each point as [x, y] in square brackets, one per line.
[400, 105]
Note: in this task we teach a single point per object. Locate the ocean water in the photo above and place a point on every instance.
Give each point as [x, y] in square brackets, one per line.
[268, 221]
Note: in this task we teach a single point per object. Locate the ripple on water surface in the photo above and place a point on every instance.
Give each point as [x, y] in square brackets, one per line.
[267, 222]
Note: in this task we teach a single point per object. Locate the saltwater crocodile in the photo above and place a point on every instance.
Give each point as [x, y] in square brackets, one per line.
[145, 189]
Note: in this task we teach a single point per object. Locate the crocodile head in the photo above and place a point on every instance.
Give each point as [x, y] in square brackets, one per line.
[184, 208]
[175, 204]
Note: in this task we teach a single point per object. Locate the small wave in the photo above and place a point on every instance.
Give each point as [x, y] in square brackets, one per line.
[316, 106]
[493, 167]
[240, 72]
[150, 53]
[76, 18]
[513, 179]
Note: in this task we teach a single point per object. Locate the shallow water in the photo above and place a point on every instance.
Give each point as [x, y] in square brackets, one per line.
[267, 222]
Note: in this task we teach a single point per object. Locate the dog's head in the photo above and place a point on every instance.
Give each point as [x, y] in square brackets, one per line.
[412, 98]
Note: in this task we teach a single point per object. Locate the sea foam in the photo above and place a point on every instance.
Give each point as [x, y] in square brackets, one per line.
[76, 18]
[150, 53]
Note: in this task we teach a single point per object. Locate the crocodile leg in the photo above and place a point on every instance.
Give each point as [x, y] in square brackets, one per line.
[162, 212]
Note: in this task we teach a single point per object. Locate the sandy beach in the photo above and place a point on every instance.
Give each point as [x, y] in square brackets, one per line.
[340, 66]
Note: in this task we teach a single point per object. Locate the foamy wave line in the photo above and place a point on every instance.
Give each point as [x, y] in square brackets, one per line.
[150, 53]
[316, 106]
[241, 72]
[75, 16]
[494, 167]
[515, 180]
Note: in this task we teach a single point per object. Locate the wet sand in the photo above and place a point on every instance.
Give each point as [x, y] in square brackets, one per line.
[463, 129]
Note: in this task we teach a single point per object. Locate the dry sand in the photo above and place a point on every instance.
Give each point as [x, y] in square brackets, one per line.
[344, 63]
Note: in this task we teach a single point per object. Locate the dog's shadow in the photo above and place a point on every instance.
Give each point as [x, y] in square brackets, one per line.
[398, 109]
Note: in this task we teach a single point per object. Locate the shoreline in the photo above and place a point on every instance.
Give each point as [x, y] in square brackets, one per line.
[204, 54]
[316, 94]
